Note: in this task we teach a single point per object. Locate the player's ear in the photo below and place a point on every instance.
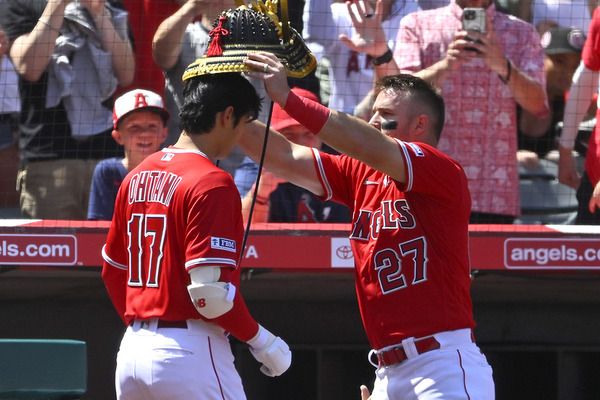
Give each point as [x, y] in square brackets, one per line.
[226, 118]
[117, 136]
[420, 124]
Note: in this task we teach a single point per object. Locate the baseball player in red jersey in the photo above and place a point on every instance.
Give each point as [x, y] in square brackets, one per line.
[171, 258]
[410, 209]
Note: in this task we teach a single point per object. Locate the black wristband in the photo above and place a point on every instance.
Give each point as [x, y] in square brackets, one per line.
[384, 59]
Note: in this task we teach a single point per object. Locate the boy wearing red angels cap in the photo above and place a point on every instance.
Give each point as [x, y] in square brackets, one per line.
[140, 126]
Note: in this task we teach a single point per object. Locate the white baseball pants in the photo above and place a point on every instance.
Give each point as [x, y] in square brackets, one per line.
[176, 363]
[456, 371]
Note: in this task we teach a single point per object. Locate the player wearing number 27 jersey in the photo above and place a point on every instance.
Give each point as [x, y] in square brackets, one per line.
[410, 208]
[409, 242]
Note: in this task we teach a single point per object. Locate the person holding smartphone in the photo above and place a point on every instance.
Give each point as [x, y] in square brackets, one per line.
[482, 76]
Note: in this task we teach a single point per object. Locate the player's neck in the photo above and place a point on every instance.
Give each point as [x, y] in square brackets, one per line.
[200, 142]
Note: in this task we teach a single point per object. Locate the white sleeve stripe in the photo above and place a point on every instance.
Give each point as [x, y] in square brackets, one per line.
[211, 261]
[409, 169]
[321, 172]
[111, 261]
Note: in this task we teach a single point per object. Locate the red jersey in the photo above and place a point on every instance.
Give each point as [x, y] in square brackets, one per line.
[175, 211]
[410, 242]
[591, 59]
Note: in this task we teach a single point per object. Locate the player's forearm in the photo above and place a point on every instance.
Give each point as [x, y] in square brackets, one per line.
[285, 159]
[238, 320]
[166, 44]
[115, 281]
[360, 140]
[345, 133]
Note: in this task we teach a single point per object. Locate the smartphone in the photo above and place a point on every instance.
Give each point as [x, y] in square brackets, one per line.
[473, 20]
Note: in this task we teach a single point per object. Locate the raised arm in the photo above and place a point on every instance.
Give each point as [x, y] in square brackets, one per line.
[347, 134]
[114, 42]
[370, 36]
[166, 44]
[31, 52]
[288, 160]
[583, 87]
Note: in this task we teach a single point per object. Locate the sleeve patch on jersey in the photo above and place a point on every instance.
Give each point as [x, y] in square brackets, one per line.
[222, 244]
[418, 151]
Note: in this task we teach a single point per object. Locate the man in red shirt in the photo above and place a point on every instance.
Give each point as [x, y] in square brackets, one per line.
[410, 209]
[172, 253]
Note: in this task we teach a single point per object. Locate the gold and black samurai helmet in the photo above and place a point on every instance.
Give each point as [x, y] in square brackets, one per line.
[248, 29]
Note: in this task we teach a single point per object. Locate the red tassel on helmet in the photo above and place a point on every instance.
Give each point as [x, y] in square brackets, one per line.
[215, 48]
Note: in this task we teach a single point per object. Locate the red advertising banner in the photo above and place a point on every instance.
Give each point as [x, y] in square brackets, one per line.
[35, 244]
[36, 249]
[560, 253]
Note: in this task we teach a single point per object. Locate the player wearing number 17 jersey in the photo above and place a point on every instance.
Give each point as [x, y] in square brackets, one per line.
[171, 258]
[410, 209]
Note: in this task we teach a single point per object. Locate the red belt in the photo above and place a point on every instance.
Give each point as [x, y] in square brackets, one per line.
[397, 354]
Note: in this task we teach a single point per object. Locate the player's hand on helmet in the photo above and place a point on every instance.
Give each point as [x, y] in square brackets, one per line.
[271, 351]
[270, 70]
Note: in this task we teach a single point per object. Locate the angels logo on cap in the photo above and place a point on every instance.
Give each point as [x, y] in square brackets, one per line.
[562, 40]
[237, 32]
[139, 100]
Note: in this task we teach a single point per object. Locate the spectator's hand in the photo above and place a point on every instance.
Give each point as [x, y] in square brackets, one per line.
[370, 36]
[95, 7]
[458, 52]
[3, 43]
[528, 159]
[490, 50]
[595, 199]
[364, 393]
[567, 171]
[271, 71]
[198, 6]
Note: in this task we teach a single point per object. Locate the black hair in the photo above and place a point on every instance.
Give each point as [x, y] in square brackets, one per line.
[206, 95]
[425, 97]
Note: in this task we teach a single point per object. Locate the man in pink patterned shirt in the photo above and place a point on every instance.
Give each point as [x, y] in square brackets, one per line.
[481, 90]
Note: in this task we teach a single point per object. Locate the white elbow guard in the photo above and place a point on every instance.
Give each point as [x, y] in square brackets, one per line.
[212, 299]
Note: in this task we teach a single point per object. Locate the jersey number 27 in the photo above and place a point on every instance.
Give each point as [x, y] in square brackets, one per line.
[388, 263]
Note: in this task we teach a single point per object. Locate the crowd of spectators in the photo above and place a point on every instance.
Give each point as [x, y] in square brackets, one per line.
[64, 63]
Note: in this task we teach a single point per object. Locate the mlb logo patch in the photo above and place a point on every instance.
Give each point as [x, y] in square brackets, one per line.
[167, 157]
[418, 151]
[222, 244]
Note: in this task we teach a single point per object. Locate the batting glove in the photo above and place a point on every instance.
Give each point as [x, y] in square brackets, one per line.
[271, 351]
